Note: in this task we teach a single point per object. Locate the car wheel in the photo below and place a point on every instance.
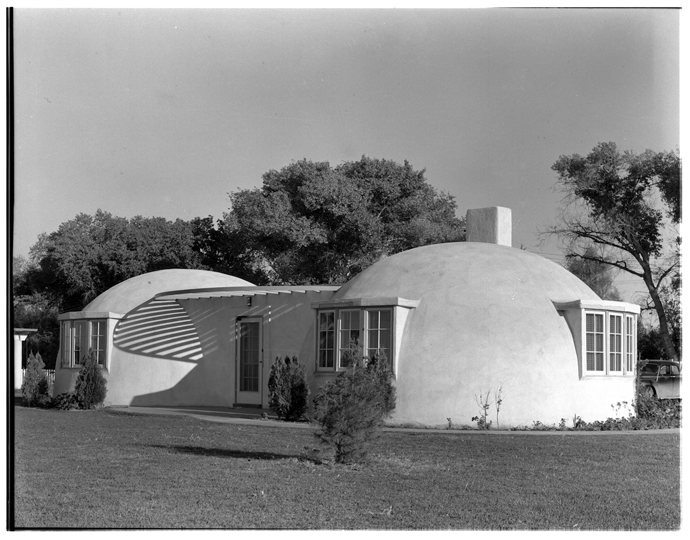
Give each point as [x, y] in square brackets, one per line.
[648, 392]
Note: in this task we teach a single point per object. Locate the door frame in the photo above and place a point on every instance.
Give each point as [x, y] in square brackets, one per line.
[242, 399]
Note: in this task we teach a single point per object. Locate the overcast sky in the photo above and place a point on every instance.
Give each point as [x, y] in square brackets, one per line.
[163, 112]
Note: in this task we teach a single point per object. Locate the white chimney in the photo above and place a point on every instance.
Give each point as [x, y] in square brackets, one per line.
[491, 225]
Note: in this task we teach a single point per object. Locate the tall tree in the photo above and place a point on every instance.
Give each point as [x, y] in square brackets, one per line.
[313, 223]
[627, 205]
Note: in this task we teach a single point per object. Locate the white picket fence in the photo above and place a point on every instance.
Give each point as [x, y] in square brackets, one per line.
[50, 375]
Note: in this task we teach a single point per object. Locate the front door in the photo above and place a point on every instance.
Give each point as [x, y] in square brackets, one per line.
[249, 361]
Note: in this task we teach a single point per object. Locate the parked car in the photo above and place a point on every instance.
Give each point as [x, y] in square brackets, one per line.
[661, 379]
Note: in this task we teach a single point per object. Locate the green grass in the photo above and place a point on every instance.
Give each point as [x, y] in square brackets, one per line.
[102, 469]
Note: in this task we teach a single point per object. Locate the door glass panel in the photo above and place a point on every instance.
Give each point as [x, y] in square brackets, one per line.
[250, 353]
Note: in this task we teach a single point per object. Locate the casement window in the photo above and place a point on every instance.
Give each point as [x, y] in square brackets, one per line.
[609, 346]
[338, 329]
[349, 332]
[629, 343]
[379, 331]
[98, 337]
[595, 342]
[615, 343]
[81, 336]
[326, 354]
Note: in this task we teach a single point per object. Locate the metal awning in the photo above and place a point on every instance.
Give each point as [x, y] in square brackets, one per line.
[229, 292]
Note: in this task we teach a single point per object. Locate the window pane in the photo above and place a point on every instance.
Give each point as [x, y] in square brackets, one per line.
[66, 343]
[385, 320]
[326, 339]
[385, 341]
[590, 323]
[78, 335]
[98, 339]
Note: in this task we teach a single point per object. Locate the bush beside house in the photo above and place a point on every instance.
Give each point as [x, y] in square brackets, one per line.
[351, 408]
[287, 389]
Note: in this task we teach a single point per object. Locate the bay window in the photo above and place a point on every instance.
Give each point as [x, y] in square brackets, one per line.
[609, 344]
[371, 329]
[79, 337]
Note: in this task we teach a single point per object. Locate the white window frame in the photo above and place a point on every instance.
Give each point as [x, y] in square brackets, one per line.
[362, 329]
[616, 346]
[77, 340]
[630, 343]
[341, 345]
[319, 349]
[596, 350]
[367, 345]
[614, 343]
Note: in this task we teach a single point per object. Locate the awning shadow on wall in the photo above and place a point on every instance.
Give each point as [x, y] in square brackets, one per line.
[159, 329]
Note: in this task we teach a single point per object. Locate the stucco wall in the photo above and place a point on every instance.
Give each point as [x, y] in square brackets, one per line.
[287, 329]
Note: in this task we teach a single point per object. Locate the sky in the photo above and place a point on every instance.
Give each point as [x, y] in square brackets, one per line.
[164, 112]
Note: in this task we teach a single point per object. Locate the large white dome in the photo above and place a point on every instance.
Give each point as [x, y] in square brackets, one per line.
[485, 319]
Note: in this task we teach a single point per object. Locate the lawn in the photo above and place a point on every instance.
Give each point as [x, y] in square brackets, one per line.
[104, 469]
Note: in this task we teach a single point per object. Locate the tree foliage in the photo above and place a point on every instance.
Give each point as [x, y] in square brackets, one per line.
[594, 273]
[311, 223]
[89, 254]
[624, 204]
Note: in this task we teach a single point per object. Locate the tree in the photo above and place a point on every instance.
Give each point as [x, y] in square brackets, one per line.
[597, 275]
[625, 205]
[351, 408]
[311, 223]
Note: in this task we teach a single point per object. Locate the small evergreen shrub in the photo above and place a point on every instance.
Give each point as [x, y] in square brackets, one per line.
[287, 389]
[65, 401]
[35, 383]
[90, 387]
[351, 408]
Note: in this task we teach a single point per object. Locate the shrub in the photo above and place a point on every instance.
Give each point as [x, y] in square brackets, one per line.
[90, 387]
[658, 414]
[35, 383]
[351, 408]
[287, 389]
[65, 401]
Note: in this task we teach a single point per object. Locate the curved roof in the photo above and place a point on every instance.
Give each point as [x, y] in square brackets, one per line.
[467, 268]
[127, 295]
